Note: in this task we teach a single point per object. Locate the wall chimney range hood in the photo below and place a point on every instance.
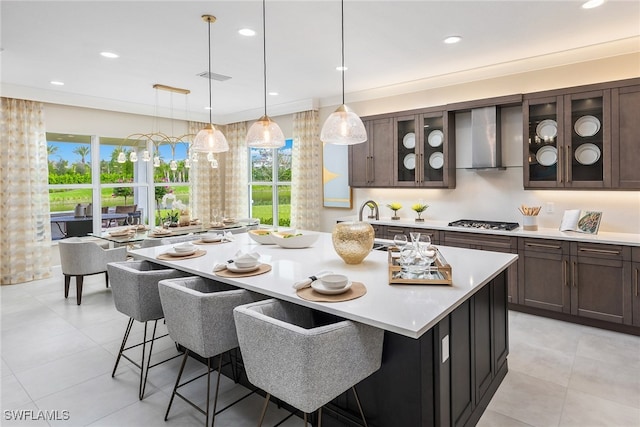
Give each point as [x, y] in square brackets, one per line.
[486, 146]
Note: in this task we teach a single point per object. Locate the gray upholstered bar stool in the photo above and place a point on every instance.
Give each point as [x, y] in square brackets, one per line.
[304, 365]
[199, 316]
[135, 294]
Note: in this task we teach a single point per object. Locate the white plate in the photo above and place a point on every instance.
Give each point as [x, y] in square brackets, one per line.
[435, 138]
[547, 129]
[547, 155]
[587, 126]
[174, 253]
[235, 269]
[587, 154]
[436, 160]
[319, 287]
[409, 161]
[409, 140]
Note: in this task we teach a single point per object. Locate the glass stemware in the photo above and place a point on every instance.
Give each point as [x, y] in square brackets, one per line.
[400, 240]
[427, 252]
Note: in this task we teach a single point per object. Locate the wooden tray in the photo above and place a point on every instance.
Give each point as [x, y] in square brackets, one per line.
[443, 267]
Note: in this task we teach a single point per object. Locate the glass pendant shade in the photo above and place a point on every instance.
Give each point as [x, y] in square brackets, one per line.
[210, 140]
[156, 161]
[214, 164]
[133, 156]
[146, 156]
[343, 127]
[173, 165]
[265, 133]
[122, 158]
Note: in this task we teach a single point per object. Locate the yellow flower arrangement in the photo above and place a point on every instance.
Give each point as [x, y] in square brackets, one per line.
[419, 208]
[395, 207]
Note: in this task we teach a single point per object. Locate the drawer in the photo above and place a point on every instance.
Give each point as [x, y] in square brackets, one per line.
[543, 245]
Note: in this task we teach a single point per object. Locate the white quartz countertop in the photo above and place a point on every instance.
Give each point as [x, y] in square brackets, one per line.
[628, 239]
[409, 310]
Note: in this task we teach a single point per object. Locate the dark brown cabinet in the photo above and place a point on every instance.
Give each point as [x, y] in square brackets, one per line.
[625, 107]
[588, 280]
[370, 163]
[635, 296]
[487, 242]
[543, 274]
[424, 150]
[583, 138]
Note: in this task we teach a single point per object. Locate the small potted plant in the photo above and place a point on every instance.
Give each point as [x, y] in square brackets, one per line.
[419, 208]
[395, 207]
[371, 207]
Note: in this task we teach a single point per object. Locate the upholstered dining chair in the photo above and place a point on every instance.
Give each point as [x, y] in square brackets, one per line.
[304, 365]
[125, 209]
[199, 316]
[134, 285]
[79, 258]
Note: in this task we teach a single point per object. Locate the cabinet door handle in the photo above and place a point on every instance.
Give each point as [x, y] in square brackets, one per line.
[373, 169]
[599, 251]
[421, 179]
[574, 275]
[568, 163]
[565, 276]
[635, 281]
[541, 245]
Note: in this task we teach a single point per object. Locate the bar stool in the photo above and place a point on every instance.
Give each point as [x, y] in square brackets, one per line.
[135, 294]
[301, 364]
[199, 316]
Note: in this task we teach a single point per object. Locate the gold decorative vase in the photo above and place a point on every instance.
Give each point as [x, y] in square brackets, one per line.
[353, 240]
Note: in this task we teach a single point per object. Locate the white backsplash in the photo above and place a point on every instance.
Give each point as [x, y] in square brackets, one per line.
[496, 195]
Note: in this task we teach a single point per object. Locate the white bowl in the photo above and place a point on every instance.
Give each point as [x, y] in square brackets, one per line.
[334, 281]
[211, 237]
[294, 240]
[184, 247]
[245, 263]
[261, 236]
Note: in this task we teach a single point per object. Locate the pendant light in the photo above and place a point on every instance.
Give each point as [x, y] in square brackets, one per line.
[265, 133]
[343, 126]
[210, 139]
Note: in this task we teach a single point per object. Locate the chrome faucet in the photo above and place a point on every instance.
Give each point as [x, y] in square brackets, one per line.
[375, 206]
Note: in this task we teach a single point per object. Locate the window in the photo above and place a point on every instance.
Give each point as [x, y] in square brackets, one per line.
[270, 180]
[171, 178]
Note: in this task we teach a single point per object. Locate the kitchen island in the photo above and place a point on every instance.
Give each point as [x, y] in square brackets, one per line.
[445, 346]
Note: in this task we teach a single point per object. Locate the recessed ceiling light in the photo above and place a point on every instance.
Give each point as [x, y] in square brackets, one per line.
[247, 32]
[452, 39]
[340, 68]
[274, 93]
[110, 55]
[56, 83]
[592, 3]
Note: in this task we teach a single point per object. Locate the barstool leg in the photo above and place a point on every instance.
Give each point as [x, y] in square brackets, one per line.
[175, 388]
[215, 398]
[124, 342]
[264, 409]
[206, 422]
[305, 419]
[320, 416]
[355, 393]
[143, 382]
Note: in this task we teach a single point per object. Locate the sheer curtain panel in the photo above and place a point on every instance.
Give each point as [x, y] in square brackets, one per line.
[25, 228]
[206, 183]
[236, 191]
[306, 173]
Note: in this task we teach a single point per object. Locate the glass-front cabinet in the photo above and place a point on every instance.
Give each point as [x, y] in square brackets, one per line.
[423, 150]
[567, 140]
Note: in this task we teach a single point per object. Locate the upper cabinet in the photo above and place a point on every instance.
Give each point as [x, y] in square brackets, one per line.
[410, 149]
[582, 138]
[370, 162]
[424, 150]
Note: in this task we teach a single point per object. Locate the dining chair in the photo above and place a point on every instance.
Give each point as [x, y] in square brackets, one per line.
[79, 258]
[302, 363]
[134, 285]
[125, 209]
[199, 316]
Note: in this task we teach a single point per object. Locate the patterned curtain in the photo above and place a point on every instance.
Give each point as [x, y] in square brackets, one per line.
[205, 195]
[306, 174]
[25, 228]
[236, 192]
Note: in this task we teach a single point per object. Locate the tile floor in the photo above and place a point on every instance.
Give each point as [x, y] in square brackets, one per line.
[58, 356]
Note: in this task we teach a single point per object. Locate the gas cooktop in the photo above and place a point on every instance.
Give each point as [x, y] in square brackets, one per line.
[484, 225]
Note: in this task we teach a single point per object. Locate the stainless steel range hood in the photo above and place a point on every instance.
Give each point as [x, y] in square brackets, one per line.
[486, 146]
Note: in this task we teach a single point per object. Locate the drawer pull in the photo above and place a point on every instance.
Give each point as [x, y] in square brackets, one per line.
[600, 251]
[541, 245]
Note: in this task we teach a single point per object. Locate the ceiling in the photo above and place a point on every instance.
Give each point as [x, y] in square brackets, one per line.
[390, 46]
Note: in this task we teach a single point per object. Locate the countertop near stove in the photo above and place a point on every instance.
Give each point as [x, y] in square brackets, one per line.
[627, 239]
